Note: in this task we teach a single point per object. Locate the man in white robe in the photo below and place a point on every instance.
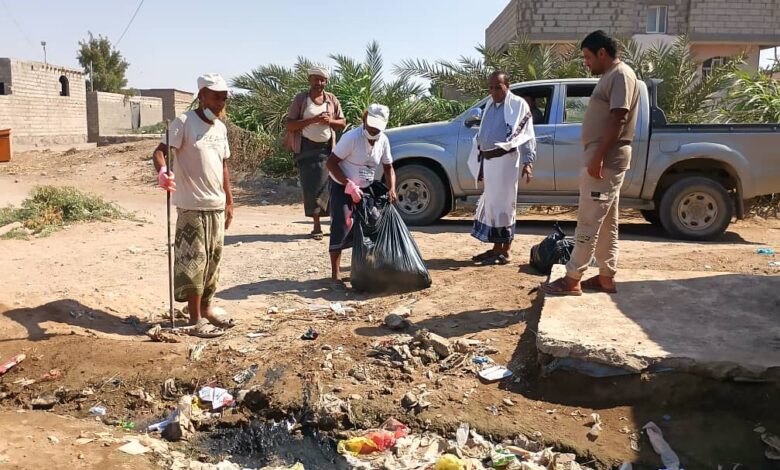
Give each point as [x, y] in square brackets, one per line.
[505, 137]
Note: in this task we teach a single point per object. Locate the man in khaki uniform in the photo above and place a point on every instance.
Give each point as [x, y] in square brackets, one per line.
[607, 133]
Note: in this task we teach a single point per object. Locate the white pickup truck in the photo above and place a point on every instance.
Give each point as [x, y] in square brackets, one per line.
[692, 179]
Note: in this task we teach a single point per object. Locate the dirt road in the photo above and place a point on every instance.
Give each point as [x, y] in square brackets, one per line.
[66, 300]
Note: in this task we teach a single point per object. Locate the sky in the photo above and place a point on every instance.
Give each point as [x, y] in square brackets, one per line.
[171, 42]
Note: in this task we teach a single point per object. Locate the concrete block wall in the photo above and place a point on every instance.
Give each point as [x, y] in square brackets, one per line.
[175, 102]
[33, 108]
[714, 21]
[112, 113]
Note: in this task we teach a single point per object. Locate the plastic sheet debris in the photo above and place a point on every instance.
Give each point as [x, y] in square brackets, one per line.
[449, 462]
[98, 410]
[590, 369]
[218, 397]
[133, 447]
[195, 351]
[765, 251]
[11, 363]
[495, 373]
[661, 447]
[376, 440]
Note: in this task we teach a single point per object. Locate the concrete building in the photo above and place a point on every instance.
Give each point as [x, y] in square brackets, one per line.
[174, 102]
[111, 114]
[717, 28]
[44, 105]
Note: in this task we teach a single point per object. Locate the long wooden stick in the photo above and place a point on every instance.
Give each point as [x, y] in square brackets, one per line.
[170, 246]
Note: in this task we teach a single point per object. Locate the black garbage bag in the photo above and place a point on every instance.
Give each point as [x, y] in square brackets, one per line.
[555, 249]
[384, 255]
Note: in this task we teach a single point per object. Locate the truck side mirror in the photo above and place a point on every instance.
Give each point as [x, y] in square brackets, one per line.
[473, 118]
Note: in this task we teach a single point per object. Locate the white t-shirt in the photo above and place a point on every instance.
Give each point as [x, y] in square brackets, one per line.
[197, 165]
[315, 132]
[359, 159]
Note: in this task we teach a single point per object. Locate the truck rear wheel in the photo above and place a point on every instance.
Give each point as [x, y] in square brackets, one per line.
[696, 208]
[422, 195]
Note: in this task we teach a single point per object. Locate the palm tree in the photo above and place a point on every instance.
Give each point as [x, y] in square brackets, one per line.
[522, 61]
[270, 89]
[753, 98]
[686, 95]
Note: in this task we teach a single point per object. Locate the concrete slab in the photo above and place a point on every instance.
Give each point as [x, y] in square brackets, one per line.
[719, 324]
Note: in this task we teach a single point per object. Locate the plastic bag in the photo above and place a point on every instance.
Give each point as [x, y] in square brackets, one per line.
[376, 440]
[555, 249]
[384, 255]
[449, 462]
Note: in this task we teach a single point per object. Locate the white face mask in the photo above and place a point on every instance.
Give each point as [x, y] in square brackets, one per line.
[369, 136]
[210, 114]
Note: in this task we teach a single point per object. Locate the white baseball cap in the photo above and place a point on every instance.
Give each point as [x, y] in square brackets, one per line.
[212, 81]
[378, 115]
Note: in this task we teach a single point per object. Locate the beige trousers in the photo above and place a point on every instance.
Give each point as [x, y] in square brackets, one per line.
[597, 224]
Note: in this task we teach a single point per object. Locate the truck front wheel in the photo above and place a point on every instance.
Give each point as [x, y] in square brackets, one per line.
[422, 195]
[696, 208]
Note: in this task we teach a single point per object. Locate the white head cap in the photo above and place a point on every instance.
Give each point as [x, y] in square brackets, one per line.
[319, 71]
[378, 115]
[212, 81]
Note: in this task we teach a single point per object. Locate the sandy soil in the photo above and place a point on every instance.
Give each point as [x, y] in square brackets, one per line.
[66, 299]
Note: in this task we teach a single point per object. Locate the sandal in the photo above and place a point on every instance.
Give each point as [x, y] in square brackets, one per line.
[317, 235]
[594, 284]
[337, 284]
[221, 319]
[204, 329]
[559, 288]
[482, 256]
[502, 259]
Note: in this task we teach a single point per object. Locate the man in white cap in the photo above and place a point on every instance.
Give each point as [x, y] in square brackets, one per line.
[203, 201]
[352, 167]
[312, 122]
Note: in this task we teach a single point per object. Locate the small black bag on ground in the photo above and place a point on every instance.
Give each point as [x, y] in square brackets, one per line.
[555, 249]
[384, 255]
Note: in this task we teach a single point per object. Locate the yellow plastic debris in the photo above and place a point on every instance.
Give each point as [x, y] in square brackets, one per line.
[449, 462]
[357, 446]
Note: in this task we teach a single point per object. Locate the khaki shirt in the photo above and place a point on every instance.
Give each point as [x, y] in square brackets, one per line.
[617, 89]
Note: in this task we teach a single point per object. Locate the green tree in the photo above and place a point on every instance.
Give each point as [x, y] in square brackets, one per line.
[104, 65]
[753, 98]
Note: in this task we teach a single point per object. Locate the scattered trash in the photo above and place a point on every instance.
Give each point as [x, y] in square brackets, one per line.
[218, 397]
[772, 441]
[439, 344]
[765, 251]
[449, 462]
[376, 440]
[312, 270]
[11, 363]
[157, 333]
[98, 410]
[24, 382]
[495, 373]
[272, 310]
[311, 334]
[54, 439]
[661, 447]
[44, 402]
[508, 402]
[142, 395]
[246, 374]
[179, 424]
[133, 447]
[595, 429]
[774, 264]
[396, 322]
[195, 351]
[479, 360]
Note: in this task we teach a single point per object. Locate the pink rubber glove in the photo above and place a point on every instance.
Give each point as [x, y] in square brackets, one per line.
[353, 190]
[166, 182]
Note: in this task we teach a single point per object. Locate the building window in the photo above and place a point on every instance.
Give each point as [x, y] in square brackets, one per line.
[2, 88]
[712, 63]
[64, 86]
[656, 19]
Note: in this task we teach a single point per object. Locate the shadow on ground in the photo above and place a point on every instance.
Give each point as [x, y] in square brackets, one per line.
[67, 312]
